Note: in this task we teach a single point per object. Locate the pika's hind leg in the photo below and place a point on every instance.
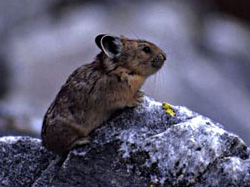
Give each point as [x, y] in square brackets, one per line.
[59, 135]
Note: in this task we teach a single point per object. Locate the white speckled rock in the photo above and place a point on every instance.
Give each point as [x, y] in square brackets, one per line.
[22, 160]
[146, 146]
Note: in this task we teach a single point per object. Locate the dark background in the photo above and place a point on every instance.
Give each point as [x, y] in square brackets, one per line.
[207, 44]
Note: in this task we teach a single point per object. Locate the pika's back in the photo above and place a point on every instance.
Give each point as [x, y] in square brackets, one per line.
[93, 92]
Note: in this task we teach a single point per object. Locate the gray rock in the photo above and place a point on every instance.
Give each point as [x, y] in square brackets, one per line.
[138, 147]
[22, 160]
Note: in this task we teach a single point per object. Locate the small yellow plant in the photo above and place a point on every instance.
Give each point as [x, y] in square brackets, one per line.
[168, 108]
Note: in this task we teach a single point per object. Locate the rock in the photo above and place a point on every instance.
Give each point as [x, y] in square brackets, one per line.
[139, 147]
[22, 160]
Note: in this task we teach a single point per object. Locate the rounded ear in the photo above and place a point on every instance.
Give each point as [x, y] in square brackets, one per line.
[110, 45]
[98, 40]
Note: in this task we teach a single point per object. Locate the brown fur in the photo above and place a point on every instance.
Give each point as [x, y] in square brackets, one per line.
[93, 92]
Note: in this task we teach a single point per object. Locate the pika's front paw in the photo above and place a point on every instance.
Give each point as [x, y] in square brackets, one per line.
[137, 100]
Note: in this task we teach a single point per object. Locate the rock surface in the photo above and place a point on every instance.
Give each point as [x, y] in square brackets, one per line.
[139, 147]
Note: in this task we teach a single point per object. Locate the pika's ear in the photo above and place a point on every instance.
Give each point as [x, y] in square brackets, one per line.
[98, 40]
[110, 45]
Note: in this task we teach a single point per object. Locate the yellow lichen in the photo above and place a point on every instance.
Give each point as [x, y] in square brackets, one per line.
[139, 107]
[168, 108]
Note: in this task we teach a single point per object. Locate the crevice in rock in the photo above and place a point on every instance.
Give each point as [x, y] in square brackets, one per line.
[45, 175]
[199, 177]
[234, 148]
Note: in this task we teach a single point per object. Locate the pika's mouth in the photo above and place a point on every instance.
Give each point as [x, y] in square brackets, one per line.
[158, 61]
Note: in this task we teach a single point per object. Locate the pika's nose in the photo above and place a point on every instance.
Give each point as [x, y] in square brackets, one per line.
[158, 61]
[163, 55]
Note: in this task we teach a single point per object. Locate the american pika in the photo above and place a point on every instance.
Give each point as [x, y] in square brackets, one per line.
[93, 92]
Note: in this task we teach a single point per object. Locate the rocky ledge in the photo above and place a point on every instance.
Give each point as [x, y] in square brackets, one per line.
[150, 145]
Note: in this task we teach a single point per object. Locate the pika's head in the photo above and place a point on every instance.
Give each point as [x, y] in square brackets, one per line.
[138, 56]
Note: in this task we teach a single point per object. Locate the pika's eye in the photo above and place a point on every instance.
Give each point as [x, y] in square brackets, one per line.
[146, 49]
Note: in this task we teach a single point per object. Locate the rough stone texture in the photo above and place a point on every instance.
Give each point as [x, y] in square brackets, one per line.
[22, 160]
[138, 147]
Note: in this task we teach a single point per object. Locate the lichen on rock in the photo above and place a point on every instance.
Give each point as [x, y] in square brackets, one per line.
[146, 145]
